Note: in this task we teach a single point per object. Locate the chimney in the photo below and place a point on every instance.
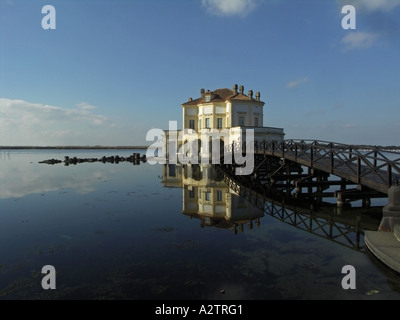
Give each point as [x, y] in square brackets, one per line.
[241, 89]
[235, 88]
[190, 99]
[258, 95]
[202, 92]
[250, 94]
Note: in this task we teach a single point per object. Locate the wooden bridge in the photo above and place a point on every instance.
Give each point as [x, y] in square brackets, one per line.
[279, 172]
[371, 170]
[373, 167]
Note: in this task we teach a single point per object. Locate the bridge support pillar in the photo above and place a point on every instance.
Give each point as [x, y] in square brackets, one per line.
[341, 199]
[391, 212]
[366, 202]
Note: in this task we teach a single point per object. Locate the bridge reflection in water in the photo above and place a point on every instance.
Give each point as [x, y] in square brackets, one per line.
[218, 200]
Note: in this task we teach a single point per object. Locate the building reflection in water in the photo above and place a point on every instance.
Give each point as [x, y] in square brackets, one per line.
[205, 196]
[217, 200]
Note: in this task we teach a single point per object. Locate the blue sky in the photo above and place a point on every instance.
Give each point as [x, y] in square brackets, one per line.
[113, 70]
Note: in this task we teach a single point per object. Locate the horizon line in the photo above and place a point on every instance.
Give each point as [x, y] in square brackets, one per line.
[73, 147]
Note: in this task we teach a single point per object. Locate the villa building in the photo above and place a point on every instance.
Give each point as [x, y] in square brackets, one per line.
[225, 111]
[223, 108]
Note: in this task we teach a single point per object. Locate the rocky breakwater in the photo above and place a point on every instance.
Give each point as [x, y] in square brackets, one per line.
[135, 159]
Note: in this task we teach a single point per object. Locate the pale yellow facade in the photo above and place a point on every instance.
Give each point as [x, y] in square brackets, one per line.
[224, 109]
[230, 113]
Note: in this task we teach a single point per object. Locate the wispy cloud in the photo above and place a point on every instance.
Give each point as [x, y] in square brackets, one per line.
[26, 113]
[24, 122]
[296, 83]
[380, 5]
[230, 7]
[371, 5]
[85, 106]
[359, 40]
[377, 23]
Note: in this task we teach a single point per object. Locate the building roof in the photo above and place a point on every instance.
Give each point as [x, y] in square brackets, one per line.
[223, 95]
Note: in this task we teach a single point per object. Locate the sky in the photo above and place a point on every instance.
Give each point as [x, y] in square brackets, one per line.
[111, 70]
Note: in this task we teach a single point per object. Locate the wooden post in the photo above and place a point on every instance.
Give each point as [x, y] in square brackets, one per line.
[233, 151]
[340, 199]
[390, 177]
[264, 147]
[358, 223]
[273, 148]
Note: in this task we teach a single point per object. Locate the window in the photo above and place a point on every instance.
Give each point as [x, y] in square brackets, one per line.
[208, 123]
[256, 121]
[207, 195]
[191, 124]
[172, 172]
[208, 98]
[219, 195]
[219, 123]
[241, 121]
[191, 193]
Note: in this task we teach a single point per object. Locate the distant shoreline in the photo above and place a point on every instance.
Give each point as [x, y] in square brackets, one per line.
[73, 147]
[360, 147]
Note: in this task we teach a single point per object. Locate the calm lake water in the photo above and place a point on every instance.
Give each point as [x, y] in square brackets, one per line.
[124, 231]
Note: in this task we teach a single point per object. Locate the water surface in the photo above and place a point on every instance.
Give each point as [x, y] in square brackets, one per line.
[124, 231]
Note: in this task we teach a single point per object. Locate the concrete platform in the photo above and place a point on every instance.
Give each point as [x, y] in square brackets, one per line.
[385, 246]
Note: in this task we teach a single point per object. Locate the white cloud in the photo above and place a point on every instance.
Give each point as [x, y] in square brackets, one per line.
[371, 5]
[296, 83]
[85, 106]
[378, 21]
[359, 40]
[379, 5]
[27, 123]
[62, 133]
[23, 112]
[230, 7]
